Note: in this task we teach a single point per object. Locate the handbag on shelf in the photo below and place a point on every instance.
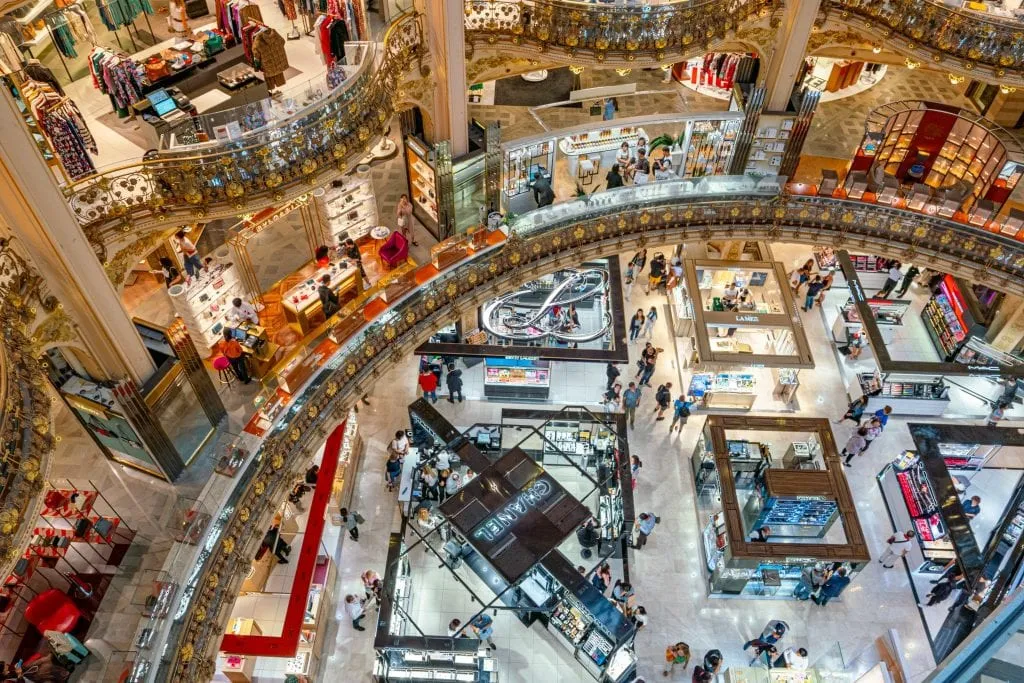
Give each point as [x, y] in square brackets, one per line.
[156, 68]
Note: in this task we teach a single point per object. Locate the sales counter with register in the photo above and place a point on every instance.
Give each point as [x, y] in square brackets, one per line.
[798, 493]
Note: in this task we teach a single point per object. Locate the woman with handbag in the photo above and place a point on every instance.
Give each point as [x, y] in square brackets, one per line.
[403, 216]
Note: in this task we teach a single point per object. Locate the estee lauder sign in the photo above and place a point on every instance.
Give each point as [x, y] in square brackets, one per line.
[501, 521]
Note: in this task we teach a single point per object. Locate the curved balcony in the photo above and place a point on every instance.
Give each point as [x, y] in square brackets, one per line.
[980, 44]
[25, 423]
[268, 166]
[557, 236]
[609, 33]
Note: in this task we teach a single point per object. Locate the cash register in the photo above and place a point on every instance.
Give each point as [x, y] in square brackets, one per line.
[166, 107]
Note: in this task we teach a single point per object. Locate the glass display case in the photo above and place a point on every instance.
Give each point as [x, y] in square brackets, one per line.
[906, 394]
[709, 148]
[769, 144]
[204, 303]
[350, 209]
[724, 389]
[517, 378]
[422, 183]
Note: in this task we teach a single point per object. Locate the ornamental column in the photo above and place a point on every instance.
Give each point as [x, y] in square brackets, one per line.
[444, 24]
[788, 52]
[33, 207]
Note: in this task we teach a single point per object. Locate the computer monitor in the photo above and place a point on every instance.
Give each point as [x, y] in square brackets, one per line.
[161, 102]
[239, 334]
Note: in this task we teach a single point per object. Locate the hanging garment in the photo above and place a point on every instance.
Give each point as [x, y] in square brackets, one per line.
[117, 75]
[63, 39]
[268, 51]
[10, 55]
[64, 126]
[319, 46]
[80, 24]
[339, 36]
[42, 74]
[288, 9]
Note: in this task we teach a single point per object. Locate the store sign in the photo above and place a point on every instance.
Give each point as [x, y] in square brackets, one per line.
[984, 369]
[747, 319]
[505, 518]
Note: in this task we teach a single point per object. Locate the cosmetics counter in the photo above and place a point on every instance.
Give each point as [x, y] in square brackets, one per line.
[584, 621]
[681, 310]
[888, 315]
[908, 394]
[1004, 558]
[747, 459]
[403, 656]
[724, 389]
[780, 675]
[951, 317]
[912, 502]
[872, 271]
[589, 443]
[523, 379]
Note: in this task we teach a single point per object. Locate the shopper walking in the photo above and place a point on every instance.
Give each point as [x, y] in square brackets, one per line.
[612, 372]
[355, 611]
[428, 384]
[872, 430]
[189, 253]
[895, 275]
[454, 381]
[351, 520]
[855, 410]
[172, 276]
[372, 586]
[770, 636]
[630, 400]
[855, 445]
[608, 109]
[898, 547]
[636, 324]
[622, 592]
[652, 317]
[676, 655]
[713, 660]
[483, 627]
[813, 289]
[835, 585]
[681, 411]
[972, 507]
[452, 484]
[826, 284]
[657, 272]
[403, 217]
[908, 279]
[802, 275]
[392, 470]
[645, 524]
[454, 626]
[639, 617]
[663, 397]
[638, 262]
[882, 415]
[648, 359]
[635, 464]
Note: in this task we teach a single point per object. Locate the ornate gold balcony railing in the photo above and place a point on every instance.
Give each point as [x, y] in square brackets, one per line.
[25, 422]
[259, 169]
[608, 222]
[601, 32]
[959, 39]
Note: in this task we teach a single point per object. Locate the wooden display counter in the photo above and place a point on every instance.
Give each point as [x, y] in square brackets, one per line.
[301, 303]
[302, 366]
[729, 399]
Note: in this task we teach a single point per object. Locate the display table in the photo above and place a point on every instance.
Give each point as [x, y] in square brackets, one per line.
[204, 304]
[908, 395]
[350, 210]
[724, 390]
[729, 345]
[600, 147]
[301, 303]
[523, 379]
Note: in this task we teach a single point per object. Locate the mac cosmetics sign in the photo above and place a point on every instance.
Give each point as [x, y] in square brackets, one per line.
[512, 512]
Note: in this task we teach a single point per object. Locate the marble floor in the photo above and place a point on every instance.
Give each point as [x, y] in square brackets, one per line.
[666, 574]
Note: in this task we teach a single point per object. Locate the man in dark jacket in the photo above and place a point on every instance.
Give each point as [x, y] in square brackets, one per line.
[612, 372]
[454, 380]
[833, 587]
[542, 192]
[328, 299]
[273, 542]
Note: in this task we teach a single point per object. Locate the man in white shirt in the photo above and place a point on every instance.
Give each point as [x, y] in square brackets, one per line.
[895, 275]
[793, 659]
[453, 627]
[354, 610]
[899, 546]
[189, 254]
[243, 310]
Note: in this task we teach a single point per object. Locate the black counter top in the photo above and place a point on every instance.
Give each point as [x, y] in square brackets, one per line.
[609, 619]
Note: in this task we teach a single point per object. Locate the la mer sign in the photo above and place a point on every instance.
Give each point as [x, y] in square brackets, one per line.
[498, 523]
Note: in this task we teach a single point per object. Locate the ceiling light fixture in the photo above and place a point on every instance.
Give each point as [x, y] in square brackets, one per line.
[956, 79]
[876, 48]
[623, 72]
[576, 69]
[911, 64]
[1006, 90]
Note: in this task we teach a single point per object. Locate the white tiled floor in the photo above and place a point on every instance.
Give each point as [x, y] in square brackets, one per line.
[666, 574]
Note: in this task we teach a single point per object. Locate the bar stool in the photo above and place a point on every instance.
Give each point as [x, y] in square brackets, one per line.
[225, 375]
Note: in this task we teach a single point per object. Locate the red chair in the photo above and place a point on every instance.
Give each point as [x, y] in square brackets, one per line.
[52, 610]
[394, 251]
